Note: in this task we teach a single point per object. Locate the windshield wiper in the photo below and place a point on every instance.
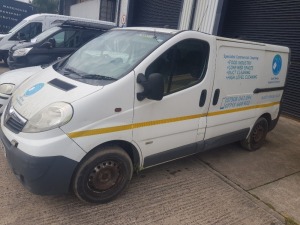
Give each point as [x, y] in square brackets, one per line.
[69, 70]
[97, 77]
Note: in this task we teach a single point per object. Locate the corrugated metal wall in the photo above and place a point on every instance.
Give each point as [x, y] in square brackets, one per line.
[186, 14]
[204, 15]
[274, 22]
[155, 13]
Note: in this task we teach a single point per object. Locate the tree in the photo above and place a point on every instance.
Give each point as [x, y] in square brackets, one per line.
[46, 6]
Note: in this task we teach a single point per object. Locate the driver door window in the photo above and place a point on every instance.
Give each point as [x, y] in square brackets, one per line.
[65, 39]
[182, 66]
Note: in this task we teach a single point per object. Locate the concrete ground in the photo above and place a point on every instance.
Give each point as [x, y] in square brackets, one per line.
[224, 186]
[272, 173]
[3, 68]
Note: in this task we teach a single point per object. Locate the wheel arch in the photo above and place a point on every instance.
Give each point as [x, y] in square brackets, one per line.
[268, 117]
[128, 147]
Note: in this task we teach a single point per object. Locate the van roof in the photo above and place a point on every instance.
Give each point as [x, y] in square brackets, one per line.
[87, 25]
[34, 16]
[151, 29]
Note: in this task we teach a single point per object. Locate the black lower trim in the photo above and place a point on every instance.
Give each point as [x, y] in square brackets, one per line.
[226, 139]
[5, 98]
[170, 155]
[261, 90]
[17, 63]
[194, 148]
[40, 175]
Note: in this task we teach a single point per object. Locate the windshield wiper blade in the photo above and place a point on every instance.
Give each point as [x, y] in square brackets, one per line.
[69, 72]
[97, 77]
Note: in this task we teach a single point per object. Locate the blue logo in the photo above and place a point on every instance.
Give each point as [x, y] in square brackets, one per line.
[277, 64]
[34, 89]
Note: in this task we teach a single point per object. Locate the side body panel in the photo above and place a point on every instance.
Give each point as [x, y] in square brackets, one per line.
[241, 69]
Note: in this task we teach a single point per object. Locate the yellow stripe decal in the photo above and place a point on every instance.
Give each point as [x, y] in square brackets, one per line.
[242, 109]
[132, 126]
[163, 121]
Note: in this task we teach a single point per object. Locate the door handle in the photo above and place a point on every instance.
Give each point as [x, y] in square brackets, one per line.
[203, 98]
[216, 96]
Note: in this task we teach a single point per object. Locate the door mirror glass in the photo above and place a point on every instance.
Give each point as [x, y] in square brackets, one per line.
[153, 87]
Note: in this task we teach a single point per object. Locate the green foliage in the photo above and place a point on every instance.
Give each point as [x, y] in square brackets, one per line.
[46, 6]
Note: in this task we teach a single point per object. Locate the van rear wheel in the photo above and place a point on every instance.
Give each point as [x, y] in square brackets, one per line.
[257, 135]
[103, 175]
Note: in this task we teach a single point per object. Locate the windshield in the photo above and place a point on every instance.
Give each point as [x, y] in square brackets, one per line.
[45, 34]
[18, 26]
[111, 56]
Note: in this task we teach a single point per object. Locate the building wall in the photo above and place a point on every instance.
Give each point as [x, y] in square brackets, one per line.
[123, 13]
[272, 22]
[199, 15]
[91, 9]
[87, 9]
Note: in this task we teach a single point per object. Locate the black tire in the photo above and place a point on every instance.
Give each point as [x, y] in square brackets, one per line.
[257, 135]
[102, 176]
[5, 61]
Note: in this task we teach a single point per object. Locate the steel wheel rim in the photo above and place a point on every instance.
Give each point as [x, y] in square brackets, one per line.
[105, 176]
[258, 133]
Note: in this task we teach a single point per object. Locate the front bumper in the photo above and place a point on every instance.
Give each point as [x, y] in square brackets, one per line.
[3, 54]
[16, 63]
[48, 175]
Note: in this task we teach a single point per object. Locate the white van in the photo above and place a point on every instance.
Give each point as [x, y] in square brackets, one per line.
[134, 98]
[32, 26]
[10, 80]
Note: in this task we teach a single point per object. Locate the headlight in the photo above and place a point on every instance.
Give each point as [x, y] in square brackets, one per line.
[6, 89]
[21, 52]
[52, 116]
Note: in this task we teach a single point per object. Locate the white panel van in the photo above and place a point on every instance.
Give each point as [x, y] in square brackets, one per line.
[31, 26]
[137, 97]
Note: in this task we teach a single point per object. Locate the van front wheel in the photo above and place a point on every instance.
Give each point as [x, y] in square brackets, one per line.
[257, 135]
[103, 176]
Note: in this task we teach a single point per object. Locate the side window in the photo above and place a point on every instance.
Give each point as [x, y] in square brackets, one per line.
[182, 66]
[29, 31]
[108, 9]
[35, 29]
[88, 35]
[59, 39]
[66, 39]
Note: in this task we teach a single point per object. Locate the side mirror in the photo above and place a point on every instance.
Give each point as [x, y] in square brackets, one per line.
[153, 87]
[49, 44]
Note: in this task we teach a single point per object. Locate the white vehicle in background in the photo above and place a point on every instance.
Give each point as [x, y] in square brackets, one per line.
[33, 25]
[133, 98]
[10, 80]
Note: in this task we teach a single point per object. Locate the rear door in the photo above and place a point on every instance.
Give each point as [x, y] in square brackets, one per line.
[172, 128]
